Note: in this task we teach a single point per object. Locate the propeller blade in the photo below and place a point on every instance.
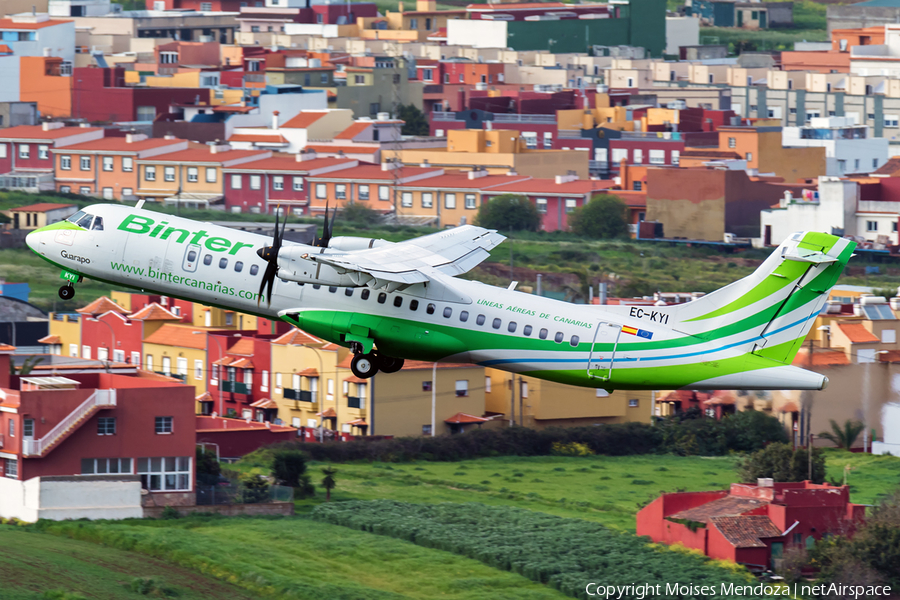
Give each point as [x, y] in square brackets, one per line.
[270, 255]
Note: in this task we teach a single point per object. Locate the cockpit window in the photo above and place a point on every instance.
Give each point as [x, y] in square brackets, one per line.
[74, 218]
[98, 224]
[85, 221]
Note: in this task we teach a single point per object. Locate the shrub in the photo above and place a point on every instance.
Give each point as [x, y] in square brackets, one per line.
[782, 463]
[147, 586]
[255, 490]
[604, 217]
[63, 595]
[208, 469]
[570, 449]
[170, 512]
[509, 212]
[289, 468]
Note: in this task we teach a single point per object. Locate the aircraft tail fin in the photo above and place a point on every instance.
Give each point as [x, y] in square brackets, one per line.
[776, 305]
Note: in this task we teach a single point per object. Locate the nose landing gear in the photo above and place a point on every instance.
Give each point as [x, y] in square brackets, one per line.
[67, 292]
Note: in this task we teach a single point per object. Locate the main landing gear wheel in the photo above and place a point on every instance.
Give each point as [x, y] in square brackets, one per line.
[364, 366]
[67, 292]
[389, 364]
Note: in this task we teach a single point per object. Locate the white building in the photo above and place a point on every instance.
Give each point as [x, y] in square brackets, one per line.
[890, 425]
[79, 8]
[36, 34]
[848, 147]
[878, 59]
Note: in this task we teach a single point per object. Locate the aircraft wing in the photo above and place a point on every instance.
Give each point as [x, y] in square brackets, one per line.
[452, 252]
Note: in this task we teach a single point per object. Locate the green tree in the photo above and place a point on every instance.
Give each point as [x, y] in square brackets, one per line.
[27, 366]
[208, 469]
[751, 430]
[843, 437]
[255, 490]
[414, 121]
[358, 215]
[329, 482]
[782, 463]
[509, 212]
[289, 468]
[604, 217]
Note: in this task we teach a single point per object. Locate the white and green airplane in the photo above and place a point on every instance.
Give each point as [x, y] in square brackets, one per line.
[389, 301]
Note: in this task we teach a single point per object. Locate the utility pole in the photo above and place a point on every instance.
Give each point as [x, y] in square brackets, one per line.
[809, 452]
[512, 400]
[521, 404]
[433, 394]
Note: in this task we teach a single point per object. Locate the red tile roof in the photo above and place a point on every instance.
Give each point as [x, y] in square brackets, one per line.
[41, 207]
[154, 312]
[524, 5]
[746, 531]
[100, 306]
[857, 333]
[121, 144]
[304, 120]
[496, 183]
[891, 167]
[285, 163]
[243, 347]
[264, 403]
[259, 138]
[327, 413]
[9, 24]
[36, 132]
[242, 363]
[728, 506]
[7, 348]
[310, 372]
[203, 154]
[374, 172]
[580, 187]
[354, 130]
[355, 379]
[354, 149]
[462, 418]
[358, 423]
[50, 339]
[178, 335]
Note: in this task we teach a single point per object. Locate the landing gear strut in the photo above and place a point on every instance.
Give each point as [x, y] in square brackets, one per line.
[365, 366]
[67, 292]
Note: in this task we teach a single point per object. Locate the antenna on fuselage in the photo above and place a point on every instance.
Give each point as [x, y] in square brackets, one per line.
[140, 204]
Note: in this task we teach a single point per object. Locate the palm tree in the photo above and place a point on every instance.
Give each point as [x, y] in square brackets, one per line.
[328, 481]
[26, 367]
[843, 438]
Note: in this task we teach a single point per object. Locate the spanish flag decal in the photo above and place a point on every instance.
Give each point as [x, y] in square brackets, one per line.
[638, 332]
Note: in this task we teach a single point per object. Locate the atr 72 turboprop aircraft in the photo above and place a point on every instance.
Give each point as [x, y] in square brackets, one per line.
[389, 301]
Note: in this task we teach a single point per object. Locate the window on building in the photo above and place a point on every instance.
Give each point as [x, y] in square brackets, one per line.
[321, 191]
[278, 381]
[541, 205]
[12, 468]
[149, 362]
[657, 157]
[732, 142]
[298, 184]
[169, 173]
[462, 387]
[2, 148]
[163, 425]
[406, 199]
[149, 173]
[85, 163]
[193, 174]
[107, 163]
[84, 190]
[871, 225]
[427, 200]
[749, 156]
[619, 154]
[165, 474]
[340, 191]
[106, 426]
[428, 74]
[86, 352]
[210, 175]
[73, 350]
[374, 108]
[470, 201]
[24, 151]
[136, 358]
[890, 120]
[28, 428]
[278, 182]
[12, 428]
[236, 182]
[449, 200]
[676, 156]
[384, 192]
[43, 151]
[413, 23]
[146, 113]
[65, 163]
[571, 205]
[255, 182]
[198, 370]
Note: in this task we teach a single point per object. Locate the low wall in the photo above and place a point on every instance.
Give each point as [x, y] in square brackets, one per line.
[71, 497]
[227, 510]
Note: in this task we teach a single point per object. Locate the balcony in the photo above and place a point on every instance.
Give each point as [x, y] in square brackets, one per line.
[674, 136]
[516, 118]
[443, 116]
[354, 402]
[236, 387]
[298, 395]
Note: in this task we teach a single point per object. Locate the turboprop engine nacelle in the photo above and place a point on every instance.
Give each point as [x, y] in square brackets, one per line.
[294, 264]
[350, 243]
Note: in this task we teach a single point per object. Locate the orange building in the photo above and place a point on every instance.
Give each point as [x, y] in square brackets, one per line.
[375, 186]
[830, 61]
[844, 39]
[47, 81]
[106, 167]
[761, 147]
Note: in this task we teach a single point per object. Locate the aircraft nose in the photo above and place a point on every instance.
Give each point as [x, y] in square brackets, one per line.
[33, 239]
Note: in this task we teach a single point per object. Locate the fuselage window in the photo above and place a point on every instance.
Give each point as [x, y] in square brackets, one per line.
[543, 334]
[496, 324]
[192, 256]
[316, 286]
[348, 292]
[398, 301]
[559, 337]
[223, 262]
[238, 266]
[511, 327]
[430, 309]
[448, 312]
[382, 297]
[207, 260]
[464, 316]
[574, 340]
[254, 269]
[332, 289]
[364, 294]
[527, 330]
[479, 320]
[413, 305]
[98, 224]
[85, 221]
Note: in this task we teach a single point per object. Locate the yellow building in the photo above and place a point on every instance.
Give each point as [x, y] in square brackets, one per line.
[192, 177]
[403, 401]
[220, 318]
[178, 351]
[65, 335]
[415, 25]
[550, 404]
[497, 151]
[314, 387]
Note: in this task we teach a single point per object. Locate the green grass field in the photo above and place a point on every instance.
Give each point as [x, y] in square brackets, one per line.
[296, 558]
[32, 564]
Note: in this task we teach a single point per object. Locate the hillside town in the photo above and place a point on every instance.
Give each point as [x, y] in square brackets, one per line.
[274, 116]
